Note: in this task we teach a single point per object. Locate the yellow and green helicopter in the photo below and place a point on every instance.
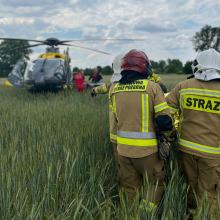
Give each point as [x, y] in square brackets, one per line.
[50, 71]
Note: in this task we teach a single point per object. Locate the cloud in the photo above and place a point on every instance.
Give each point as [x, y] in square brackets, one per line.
[166, 25]
[12, 21]
[153, 27]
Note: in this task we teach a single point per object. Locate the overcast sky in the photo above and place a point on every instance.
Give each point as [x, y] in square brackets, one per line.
[166, 25]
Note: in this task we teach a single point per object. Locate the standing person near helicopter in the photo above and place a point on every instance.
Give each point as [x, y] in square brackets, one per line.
[96, 76]
[79, 81]
[198, 102]
[138, 106]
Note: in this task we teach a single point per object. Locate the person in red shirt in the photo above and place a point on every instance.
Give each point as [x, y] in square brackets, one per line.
[79, 81]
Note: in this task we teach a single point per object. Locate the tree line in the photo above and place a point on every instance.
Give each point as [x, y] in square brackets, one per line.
[9, 56]
[161, 67]
[207, 37]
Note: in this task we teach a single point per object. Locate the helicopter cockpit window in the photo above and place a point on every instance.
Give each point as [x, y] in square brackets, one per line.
[16, 76]
[45, 69]
[29, 70]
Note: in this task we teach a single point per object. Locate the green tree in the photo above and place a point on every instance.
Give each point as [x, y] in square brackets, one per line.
[158, 67]
[88, 71]
[207, 37]
[187, 69]
[161, 66]
[154, 64]
[76, 69]
[9, 56]
[174, 66]
[107, 70]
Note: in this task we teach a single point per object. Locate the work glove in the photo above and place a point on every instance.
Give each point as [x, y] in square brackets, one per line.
[171, 136]
[164, 148]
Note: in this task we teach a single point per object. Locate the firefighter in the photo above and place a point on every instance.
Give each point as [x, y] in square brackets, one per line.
[198, 102]
[138, 106]
[157, 79]
[116, 76]
[103, 89]
[116, 66]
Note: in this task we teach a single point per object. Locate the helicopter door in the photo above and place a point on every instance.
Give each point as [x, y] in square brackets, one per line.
[15, 77]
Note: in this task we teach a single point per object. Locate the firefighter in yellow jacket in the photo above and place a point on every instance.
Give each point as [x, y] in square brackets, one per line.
[138, 106]
[198, 102]
[116, 76]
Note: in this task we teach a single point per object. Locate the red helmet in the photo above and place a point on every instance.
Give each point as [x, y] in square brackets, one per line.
[136, 60]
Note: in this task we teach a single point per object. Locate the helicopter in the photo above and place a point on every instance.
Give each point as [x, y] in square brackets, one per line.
[50, 71]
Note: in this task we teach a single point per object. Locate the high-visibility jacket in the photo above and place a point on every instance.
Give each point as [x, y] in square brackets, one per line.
[198, 104]
[102, 89]
[133, 108]
[175, 117]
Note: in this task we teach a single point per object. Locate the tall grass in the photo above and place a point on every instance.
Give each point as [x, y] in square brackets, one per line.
[56, 162]
[55, 155]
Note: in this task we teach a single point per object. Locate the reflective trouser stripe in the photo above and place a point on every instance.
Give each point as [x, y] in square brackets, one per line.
[149, 205]
[145, 113]
[199, 147]
[160, 107]
[136, 135]
[113, 137]
[152, 205]
[205, 92]
[137, 142]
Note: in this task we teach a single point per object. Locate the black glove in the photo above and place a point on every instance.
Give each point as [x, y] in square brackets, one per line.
[171, 136]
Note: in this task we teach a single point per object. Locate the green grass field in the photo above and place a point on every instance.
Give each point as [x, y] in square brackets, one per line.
[56, 162]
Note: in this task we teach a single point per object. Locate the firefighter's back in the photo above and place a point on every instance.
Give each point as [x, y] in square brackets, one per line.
[200, 104]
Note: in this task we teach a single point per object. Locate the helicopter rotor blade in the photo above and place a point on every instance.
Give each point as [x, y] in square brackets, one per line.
[87, 48]
[104, 39]
[21, 39]
[56, 42]
[20, 48]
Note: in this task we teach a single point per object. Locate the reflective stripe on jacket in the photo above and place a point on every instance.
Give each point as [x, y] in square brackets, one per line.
[198, 103]
[102, 89]
[133, 108]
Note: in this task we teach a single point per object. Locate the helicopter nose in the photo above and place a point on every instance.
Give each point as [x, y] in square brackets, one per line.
[39, 79]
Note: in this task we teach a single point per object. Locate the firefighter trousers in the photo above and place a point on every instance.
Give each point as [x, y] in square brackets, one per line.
[132, 172]
[115, 153]
[203, 177]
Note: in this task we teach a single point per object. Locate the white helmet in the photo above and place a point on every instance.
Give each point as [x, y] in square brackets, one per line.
[116, 65]
[206, 66]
